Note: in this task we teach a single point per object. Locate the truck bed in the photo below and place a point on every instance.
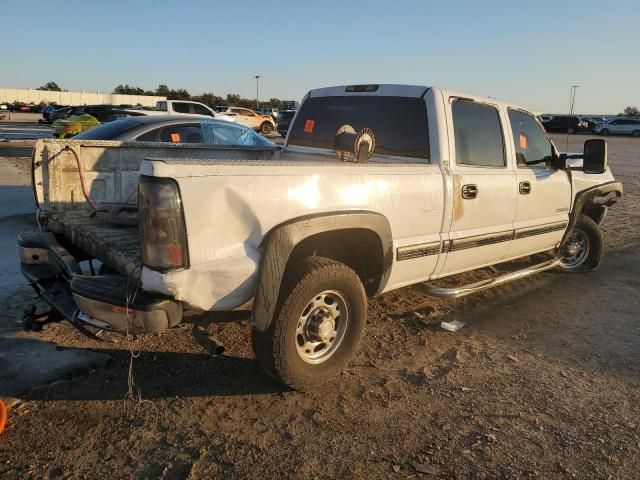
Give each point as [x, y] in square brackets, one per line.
[115, 245]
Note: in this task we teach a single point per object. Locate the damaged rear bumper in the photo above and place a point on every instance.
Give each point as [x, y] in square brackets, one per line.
[110, 302]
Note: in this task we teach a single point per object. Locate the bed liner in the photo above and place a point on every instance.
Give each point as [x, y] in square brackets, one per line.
[117, 246]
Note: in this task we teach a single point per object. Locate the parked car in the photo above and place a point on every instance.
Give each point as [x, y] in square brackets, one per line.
[187, 107]
[245, 116]
[619, 126]
[60, 114]
[380, 187]
[105, 113]
[565, 124]
[47, 110]
[284, 121]
[177, 129]
[272, 112]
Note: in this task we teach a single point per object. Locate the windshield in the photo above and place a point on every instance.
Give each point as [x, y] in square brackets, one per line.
[109, 130]
[398, 123]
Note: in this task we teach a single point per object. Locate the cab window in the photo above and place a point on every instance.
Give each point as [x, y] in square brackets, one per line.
[181, 107]
[531, 144]
[478, 135]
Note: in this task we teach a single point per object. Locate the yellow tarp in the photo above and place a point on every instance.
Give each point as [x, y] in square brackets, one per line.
[74, 125]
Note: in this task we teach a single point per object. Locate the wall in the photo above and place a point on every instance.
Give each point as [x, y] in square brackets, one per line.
[10, 95]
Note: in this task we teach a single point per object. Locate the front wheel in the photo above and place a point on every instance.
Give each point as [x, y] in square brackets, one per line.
[317, 325]
[571, 130]
[635, 133]
[583, 248]
[604, 132]
[266, 128]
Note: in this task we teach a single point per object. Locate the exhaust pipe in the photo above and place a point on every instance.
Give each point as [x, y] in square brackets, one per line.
[209, 342]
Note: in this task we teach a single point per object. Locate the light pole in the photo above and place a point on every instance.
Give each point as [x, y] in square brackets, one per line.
[572, 98]
[257, 91]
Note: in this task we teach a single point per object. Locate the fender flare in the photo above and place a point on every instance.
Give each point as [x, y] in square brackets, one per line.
[280, 242]
[603, 195]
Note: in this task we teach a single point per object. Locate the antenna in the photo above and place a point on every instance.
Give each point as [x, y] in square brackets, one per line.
[572, 104]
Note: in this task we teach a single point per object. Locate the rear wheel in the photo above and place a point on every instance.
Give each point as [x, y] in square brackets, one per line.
[317, 325]
[583, 248]
[266, 128]
[636, 133]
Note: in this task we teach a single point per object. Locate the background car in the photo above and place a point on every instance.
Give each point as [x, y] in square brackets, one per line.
[564, 124]
[60, 114]
[619, 126]
[284, 121]
[177, 129]
[244, 116]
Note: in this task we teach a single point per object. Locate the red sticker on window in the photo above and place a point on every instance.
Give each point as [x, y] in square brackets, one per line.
[523, 142]
[175, 137]
[308, 126]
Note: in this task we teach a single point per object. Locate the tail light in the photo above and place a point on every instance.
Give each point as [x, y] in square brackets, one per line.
[163, 236]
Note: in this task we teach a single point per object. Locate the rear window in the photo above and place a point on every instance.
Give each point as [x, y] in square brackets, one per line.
[398, 123]
[109, 131]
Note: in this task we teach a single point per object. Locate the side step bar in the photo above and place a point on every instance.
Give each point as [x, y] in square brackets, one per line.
[489, 283]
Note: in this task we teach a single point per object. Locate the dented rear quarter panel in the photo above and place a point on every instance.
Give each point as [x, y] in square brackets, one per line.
[231, 206]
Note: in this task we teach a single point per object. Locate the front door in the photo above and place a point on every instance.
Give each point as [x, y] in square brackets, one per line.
[484, 191]
[544, 193]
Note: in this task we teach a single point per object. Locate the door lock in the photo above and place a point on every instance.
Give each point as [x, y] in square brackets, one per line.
[524, 188]
[469, 191]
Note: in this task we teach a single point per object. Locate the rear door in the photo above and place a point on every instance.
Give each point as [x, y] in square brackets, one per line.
[484, 186]
[543, 192]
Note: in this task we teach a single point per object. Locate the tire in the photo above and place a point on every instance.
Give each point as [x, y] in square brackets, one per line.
[266, 128]
[587, 237]
[304, 297]
[571, 130]
[604, 132]
[635, 133]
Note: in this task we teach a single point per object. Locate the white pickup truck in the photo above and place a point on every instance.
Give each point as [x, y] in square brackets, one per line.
[187, 107]
[377, 187]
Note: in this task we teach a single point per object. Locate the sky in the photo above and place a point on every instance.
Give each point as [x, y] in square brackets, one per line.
[527, 52]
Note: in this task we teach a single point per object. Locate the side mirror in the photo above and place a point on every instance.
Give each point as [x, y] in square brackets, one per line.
[594, 159]
[558, 162]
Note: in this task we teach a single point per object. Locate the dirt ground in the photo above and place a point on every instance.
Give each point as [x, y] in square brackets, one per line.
[542, 382]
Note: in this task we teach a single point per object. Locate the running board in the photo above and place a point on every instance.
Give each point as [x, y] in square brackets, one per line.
[489, 283]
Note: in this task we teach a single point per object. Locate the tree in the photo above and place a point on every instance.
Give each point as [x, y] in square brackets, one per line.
[275, 103]
[127, 90]
[233, 99]
[50, 86]
[630, 111]
[162, 91]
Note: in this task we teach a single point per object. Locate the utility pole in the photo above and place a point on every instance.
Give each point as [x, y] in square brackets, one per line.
[257, 91]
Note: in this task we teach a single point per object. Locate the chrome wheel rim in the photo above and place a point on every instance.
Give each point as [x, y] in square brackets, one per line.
[322, 326]
[575, 249]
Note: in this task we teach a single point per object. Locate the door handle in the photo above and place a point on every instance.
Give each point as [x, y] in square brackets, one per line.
[469, 191]
[524, 188]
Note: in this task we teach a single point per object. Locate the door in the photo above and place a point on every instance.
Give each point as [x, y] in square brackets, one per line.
[484, 191]
[543, 192]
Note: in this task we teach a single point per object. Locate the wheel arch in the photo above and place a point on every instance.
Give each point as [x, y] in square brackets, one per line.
[594, 203]
[336, 235]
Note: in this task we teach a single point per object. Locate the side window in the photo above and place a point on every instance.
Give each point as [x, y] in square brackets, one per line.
[181, 107]
[200, 110]
[530, 142]
[189, 133]
[478, 135]
[162, 106]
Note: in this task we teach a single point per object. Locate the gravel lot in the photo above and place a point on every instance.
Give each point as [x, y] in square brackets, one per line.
[543, 382]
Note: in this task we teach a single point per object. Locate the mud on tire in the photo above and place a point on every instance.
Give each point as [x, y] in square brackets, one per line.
[280, 349]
